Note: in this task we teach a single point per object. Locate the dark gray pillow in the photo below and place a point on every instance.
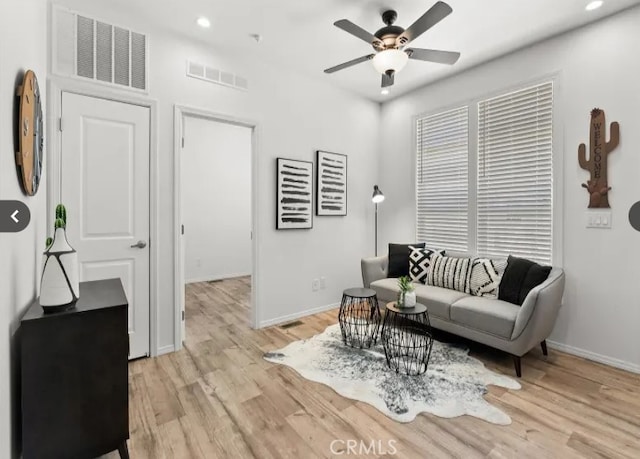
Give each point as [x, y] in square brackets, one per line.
[520, 276]
[537, 275]
[399, 259]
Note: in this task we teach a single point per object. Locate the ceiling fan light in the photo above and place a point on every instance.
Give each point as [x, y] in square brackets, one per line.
[390, 59]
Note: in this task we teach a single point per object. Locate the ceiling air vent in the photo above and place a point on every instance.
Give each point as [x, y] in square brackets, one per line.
[212, 75]
[86, 48]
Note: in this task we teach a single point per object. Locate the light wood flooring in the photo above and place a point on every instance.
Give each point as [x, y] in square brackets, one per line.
[217, 398]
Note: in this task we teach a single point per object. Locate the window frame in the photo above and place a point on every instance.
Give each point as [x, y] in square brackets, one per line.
[415, 172]
[557, 197]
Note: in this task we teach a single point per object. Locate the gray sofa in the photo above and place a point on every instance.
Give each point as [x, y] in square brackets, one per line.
[499, 324]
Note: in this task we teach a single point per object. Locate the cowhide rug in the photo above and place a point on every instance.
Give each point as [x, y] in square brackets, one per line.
[453, 385]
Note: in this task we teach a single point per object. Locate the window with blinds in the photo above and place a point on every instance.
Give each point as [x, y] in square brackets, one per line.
[442, 178]
[515, 181]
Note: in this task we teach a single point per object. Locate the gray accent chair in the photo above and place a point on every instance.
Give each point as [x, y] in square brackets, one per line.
[499, 324]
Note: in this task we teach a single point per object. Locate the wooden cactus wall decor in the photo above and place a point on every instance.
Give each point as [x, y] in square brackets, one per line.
[599, 150]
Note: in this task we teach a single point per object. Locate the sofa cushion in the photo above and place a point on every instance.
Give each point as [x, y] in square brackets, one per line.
[449, 272]
[420, 262]
[399, 259]
[438, 300]
[485, 276]
[520, 276]
[492, 316]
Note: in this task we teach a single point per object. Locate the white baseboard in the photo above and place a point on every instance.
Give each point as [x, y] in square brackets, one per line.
[166, 349]
[215, 278]
[612, 362]
[297, 315]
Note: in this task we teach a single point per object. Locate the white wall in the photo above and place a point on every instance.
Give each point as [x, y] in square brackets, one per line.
[296, 115]
[597, 68]
[21, 252]
[216, 200]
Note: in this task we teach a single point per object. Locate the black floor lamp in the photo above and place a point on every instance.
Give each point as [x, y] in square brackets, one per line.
[377, 198]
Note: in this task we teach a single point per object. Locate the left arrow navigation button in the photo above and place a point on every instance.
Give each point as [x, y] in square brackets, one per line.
[14, 216]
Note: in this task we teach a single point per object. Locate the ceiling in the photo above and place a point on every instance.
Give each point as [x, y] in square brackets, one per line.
[299, 36]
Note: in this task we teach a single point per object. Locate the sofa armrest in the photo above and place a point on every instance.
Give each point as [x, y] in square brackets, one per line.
[541, 306]
[374, 269]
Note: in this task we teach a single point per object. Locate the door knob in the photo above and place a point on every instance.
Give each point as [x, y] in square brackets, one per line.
[139, 245]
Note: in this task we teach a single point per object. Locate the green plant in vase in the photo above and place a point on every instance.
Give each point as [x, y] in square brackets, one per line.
[407, 295]
[59, 222]
[61, 214]
[59, 284]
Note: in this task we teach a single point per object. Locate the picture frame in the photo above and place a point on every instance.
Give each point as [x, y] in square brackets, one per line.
[294, 194]
[331, 184]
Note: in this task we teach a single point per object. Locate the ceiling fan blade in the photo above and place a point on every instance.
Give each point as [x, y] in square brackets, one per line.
[433, 55]
[388, 80]
[436, 13]
[345, 65]
[356, 31]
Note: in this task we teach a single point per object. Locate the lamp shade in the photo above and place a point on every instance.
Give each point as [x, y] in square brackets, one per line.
[377, 195]
[390, 59]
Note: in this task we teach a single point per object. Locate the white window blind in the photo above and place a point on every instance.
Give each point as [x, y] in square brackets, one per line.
[442, 178]
[515, 180]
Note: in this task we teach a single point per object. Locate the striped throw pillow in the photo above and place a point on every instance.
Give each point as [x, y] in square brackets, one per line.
[449, 272]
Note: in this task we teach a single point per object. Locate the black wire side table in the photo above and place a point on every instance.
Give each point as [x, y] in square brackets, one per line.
[359, 317]
[406, 338]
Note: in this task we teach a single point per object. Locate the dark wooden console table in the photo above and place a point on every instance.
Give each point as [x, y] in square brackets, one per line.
[74, 365]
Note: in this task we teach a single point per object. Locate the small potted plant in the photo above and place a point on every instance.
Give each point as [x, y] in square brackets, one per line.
[407, 294]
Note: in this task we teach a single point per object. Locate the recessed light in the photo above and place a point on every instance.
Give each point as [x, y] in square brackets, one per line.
[594, 5]
[203, 22]
[384, 92]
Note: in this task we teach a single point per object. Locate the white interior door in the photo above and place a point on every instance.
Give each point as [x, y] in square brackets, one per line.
[105, 187]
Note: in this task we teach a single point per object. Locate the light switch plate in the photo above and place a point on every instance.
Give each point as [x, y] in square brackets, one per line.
[599, 219]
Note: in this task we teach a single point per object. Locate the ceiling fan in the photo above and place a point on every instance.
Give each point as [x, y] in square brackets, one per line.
[390, 43]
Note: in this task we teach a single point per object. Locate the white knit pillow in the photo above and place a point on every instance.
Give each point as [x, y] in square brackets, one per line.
[485, 276]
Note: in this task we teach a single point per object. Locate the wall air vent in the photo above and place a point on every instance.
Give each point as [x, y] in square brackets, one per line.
[203, 72]
[86, 48]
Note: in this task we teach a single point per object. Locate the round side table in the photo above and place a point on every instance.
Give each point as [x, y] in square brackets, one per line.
[406, 338]
[359, 317]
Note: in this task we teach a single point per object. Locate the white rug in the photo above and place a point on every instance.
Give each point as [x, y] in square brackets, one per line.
[453, 385]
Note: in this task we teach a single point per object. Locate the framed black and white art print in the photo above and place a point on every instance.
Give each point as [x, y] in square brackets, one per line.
[331, 192]
[295, 194]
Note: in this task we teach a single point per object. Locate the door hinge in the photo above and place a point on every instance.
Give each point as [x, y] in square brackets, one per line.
[60, 126]
[182, 229]
[183, 316]
[183, 142]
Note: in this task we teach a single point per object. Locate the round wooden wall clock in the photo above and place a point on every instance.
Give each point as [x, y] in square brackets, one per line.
[30, 134]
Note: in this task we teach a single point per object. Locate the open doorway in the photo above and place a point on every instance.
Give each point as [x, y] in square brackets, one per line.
[215, 197]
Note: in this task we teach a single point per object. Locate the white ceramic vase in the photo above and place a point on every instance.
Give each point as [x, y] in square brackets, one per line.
[410, 299]
[60, 285]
